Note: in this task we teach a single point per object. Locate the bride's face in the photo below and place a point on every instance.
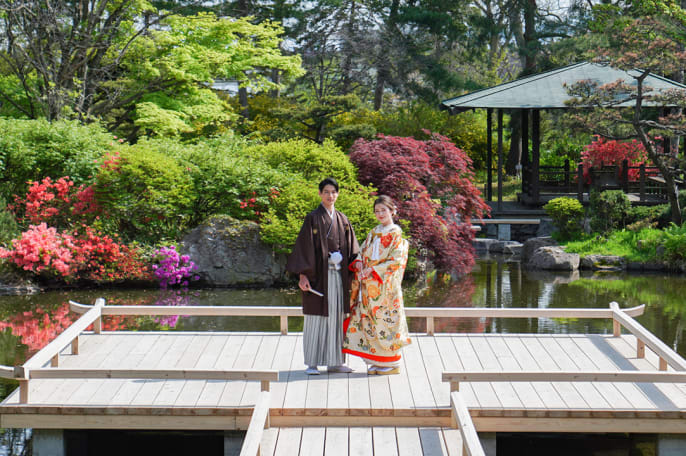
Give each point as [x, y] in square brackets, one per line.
[383, 214]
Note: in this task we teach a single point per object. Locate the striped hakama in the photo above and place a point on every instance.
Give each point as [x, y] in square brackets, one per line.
[323, 336]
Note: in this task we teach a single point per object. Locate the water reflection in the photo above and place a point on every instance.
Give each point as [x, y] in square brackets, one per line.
[27, 323]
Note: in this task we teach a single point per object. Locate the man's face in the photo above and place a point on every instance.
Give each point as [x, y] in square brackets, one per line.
[328, 194]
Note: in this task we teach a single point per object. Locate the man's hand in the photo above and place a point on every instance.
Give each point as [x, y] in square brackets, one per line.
[304, 283]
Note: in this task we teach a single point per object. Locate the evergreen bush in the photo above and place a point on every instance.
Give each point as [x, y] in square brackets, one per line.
[609, 210]
[567, 214]
[31, 150]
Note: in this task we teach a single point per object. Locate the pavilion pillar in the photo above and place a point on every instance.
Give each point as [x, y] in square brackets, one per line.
[535, 153]
[524, 161]
[489, 154]
[500, 160]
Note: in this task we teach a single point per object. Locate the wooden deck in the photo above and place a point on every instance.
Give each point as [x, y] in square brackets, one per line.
[416, 397]
[362, 441]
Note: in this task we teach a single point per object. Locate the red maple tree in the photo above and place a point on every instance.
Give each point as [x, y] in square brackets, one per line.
[432, 181]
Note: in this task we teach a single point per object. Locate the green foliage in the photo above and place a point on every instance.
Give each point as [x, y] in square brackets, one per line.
[466, 130]
[608, 210]
[647, 215]
[34, 149]
[146, 194]
[567, 214]
[308, 163]
[675, 243]
[226, 179]
[8, 225]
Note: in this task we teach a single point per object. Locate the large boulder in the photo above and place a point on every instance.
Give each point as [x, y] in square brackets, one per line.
[229, 252]
[554, 259]
[531, 245]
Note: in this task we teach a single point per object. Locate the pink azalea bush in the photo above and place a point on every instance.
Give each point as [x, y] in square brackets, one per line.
[42, 249]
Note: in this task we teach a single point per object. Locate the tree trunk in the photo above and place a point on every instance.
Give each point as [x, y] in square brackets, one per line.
[348, 51]
[384, 63]
[243, 100]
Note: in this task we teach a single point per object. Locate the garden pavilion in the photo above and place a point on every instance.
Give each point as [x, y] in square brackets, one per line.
[530, 95]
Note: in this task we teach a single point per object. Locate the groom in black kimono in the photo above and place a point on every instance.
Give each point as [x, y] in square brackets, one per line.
[325, 248]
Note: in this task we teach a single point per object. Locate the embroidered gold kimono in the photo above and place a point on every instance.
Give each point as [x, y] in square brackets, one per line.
[377, 329]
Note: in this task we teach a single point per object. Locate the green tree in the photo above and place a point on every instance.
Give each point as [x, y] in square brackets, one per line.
[645, 39]
[137, 68]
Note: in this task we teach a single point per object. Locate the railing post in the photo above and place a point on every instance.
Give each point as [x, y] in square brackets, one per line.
[97, 324]
[640, 349]
[663, 364]
[23, 391]
[55, 361]
[75, 346]
[616, 326]
[625, 175]
[454, 386]
[22, 374]
[429, 326]
[284, 324]
[642, 182]
[567, 177]
[264, 385]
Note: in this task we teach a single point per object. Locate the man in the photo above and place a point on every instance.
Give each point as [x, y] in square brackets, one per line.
[325, 247]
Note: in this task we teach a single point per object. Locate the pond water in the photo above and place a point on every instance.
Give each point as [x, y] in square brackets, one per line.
[27, 323]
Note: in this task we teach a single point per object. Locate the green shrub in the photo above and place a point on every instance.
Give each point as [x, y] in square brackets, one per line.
[307, 164]
[225, 179]
[646, 215]
[609, 210]
[34, 149]
[146, 195]
[674, 242]
[8, 225]
[567, 214]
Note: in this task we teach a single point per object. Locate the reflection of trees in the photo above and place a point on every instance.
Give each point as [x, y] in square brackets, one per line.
[443, 290]
[664, 296]
[16, 442]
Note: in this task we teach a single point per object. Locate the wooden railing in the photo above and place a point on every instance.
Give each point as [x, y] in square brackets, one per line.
[668, 357]
[428, 313]
[471, 445]
[258, 423]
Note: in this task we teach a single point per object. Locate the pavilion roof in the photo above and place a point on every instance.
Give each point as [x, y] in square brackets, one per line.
[547, 91]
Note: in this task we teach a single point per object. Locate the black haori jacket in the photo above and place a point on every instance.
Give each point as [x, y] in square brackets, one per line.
[310, 256]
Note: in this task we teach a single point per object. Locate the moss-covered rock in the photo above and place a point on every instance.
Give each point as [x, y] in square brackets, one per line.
[229, 253]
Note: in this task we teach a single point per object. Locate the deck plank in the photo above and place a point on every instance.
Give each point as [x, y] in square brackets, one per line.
[507, 396]
[483, 392]
[268, 443]
[432, 442]
[605, 360]
[525, 391]
[417, 375]
[312, 441]
[409, 443]
[283, 358]
[663, 396]
[213, 389]
[337, 441]
[385, 442]
[233, 391]
[545, 390]
[264, 359]
[453, 441]
[361, 443]
[451, 362]
[551, 354]
[288, 441]
[433, 364]
[599, 394]
[296, 390]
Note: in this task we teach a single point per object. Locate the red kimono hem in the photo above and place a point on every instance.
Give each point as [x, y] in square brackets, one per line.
[384, 359]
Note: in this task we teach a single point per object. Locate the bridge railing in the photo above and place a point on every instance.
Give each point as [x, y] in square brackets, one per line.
[428, 313]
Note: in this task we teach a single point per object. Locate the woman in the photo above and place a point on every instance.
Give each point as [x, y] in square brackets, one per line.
[376, 329]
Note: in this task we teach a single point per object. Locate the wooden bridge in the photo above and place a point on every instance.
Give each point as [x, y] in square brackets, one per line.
[450, 386]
